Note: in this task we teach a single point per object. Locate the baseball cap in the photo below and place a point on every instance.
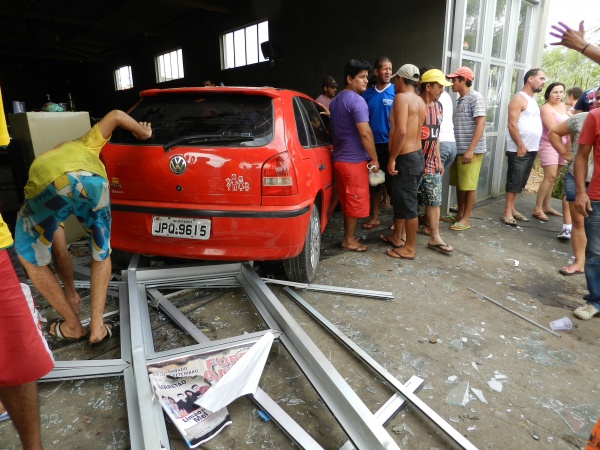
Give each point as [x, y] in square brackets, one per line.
[464, 72]
[408, 71]
[329, 81]
[435, 76]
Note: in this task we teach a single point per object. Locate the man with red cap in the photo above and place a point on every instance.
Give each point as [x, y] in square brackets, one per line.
[469, 131]
[329, 90]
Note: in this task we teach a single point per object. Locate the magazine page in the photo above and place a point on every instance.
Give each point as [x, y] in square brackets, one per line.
[180, 382]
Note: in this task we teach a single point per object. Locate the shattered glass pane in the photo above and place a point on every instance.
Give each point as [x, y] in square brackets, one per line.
[468, 330]
[457, 344]
[566, 356]
[459, 394]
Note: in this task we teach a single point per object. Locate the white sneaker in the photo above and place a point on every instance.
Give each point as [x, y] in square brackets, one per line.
[564, 235]
[586, 312]
[4, 416]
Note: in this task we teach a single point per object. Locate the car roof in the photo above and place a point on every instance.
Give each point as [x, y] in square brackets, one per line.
[264, 90]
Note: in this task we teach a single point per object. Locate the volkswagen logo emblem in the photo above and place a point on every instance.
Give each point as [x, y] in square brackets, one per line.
[177, 164]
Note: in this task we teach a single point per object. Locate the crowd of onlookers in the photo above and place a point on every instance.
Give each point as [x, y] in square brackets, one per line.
[404, 125]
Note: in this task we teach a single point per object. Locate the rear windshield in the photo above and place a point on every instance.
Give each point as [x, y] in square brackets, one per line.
[206, 119]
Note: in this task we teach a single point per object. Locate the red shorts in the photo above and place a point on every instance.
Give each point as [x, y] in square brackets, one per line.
[24, 353]
[352, 182]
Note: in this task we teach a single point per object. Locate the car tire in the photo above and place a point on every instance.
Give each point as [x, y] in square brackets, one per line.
[303, 267]
[120, 258]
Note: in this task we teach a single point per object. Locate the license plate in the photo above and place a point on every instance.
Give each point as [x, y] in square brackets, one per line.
[180, 227]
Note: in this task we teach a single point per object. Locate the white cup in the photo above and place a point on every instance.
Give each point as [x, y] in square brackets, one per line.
[564, 323]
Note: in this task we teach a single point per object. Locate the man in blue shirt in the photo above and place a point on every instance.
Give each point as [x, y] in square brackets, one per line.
[379, 99]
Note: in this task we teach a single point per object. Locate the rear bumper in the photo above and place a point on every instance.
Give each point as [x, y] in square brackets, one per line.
[235, 235]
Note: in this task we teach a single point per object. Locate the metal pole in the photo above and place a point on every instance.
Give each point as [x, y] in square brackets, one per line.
[516, 313]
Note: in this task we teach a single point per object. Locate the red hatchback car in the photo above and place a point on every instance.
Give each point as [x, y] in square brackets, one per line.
[230, 174]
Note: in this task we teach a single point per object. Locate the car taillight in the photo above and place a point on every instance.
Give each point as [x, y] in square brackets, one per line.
[278, 177]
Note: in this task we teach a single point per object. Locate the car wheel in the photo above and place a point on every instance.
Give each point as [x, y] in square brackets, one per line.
[303, 267]
[120, 258]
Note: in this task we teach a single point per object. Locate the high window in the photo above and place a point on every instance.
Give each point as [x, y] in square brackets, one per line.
[241, 47]
[123, 78]
[169, 66]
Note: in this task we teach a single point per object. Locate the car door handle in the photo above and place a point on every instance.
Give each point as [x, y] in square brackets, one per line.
[322, 167]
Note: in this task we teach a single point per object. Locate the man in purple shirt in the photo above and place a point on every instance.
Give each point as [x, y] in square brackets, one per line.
[353, 147]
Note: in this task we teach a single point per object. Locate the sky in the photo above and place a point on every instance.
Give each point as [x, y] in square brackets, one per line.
[571, 12]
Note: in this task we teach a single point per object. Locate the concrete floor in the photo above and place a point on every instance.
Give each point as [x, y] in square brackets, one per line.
[434, 328]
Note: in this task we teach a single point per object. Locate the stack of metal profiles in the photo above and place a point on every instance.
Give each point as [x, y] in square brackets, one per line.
[147, 427]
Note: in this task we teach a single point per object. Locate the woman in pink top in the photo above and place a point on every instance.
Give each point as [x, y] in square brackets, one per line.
[553, 112]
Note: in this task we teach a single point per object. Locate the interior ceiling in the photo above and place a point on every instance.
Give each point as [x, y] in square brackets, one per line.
[96, 31]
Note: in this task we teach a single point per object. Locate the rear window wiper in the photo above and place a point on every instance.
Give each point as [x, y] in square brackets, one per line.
[226, 136]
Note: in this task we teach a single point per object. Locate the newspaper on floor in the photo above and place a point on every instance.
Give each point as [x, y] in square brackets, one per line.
[179, 383]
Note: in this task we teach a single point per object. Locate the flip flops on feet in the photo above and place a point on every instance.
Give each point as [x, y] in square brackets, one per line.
[509, 221]
[424, 230]
[441, 248]
[568, 271]
[520, 217]
[56, 331]
[553, 212]
[448, 219]
[111, 331]
[540, 216]
[397, 255]
[369, 226]
[386, 239]
[360, 248]
[459, 227]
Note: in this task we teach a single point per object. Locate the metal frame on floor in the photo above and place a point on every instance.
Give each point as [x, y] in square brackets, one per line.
[147, 426]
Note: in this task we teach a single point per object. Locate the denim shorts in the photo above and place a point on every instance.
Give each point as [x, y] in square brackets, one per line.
[518, 171]
[82, 194]
[405, 185]
[569, 187]
[447, 153]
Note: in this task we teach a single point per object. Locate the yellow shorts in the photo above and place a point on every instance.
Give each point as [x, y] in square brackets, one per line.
[466, 176]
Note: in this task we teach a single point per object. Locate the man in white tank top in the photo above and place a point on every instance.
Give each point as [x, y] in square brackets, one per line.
[522, 141]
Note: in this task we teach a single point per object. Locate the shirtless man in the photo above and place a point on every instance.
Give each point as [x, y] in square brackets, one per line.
[406, 163]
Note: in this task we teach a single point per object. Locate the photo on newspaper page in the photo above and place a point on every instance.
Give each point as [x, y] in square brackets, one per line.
[179, 382]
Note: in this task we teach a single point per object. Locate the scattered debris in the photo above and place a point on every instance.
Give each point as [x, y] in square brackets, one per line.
[495, 385]
[479, 394]
[459, 394]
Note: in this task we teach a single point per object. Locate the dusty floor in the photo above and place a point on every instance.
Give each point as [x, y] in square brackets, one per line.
[434, 328]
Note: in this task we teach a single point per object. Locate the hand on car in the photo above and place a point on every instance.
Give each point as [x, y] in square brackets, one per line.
[147, 131]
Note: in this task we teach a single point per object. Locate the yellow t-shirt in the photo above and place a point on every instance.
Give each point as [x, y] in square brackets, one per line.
[4, 139]
[6, 239]
[71, 156]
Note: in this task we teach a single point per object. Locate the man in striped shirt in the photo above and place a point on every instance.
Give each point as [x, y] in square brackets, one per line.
[469, 131]
[430, 187]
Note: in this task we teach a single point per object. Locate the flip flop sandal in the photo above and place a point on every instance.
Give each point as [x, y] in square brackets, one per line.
[422, 230]
[459, 227]
[448, 219]
[361, 248]
[520, 217]
[58, 334]
[438, 248]
[398, 255]
[369, 226]
[110, 331]
[509, 221]
[540, 216]
[568, 273]
[386, 239]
